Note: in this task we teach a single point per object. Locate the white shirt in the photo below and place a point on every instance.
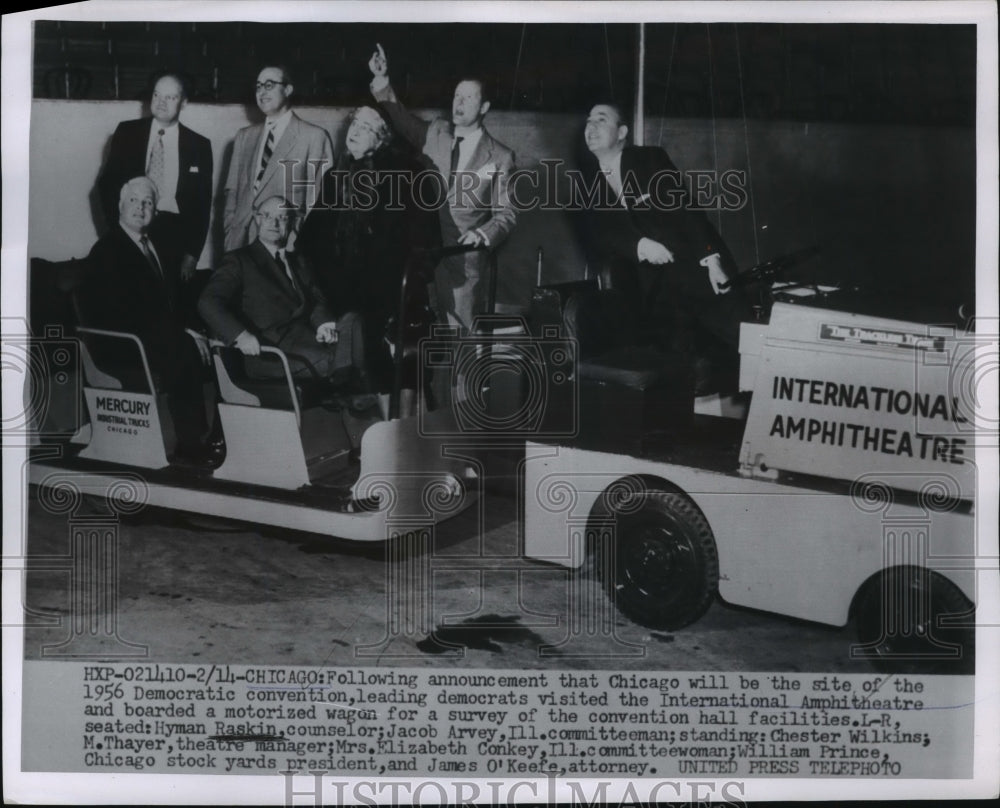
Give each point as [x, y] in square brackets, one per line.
[167, 199]
[470, 139]
[613, 174]
[278, 125]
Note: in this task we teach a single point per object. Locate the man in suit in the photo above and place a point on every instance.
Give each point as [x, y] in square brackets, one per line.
[178, 160]
[283, 156]
[264, 294]
[667, 259]
[133, 285]
[474, 168]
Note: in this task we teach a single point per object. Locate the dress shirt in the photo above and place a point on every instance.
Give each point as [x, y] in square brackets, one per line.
[470, 139]
[137, 238]
[613, 173]
[167, 199]
[278, 126]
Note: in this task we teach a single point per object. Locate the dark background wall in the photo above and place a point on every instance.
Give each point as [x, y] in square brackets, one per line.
[866, 73]
[855, 138]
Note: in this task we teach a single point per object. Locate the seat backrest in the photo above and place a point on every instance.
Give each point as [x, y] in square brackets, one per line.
[236, 387]
[600, 321]
[114, 360]
[51, 288]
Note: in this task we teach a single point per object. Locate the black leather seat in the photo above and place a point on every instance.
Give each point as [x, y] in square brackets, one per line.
[627, 389]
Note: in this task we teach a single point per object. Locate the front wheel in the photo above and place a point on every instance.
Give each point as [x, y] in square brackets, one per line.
[659, 565]
[914, 620]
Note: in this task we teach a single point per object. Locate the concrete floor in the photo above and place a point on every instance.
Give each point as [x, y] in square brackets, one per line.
[196, 590]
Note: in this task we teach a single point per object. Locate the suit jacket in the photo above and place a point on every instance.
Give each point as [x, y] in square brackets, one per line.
[303, 146]
[127, 159]
[122, 292]
[613, 230]
[249, 291]
[486, 203]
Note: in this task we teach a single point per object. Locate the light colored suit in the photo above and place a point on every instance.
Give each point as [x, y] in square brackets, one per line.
[295, 170]
[479, 200]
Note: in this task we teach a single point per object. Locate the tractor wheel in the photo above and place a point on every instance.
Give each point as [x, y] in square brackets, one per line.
[661, 566]
[914, 620]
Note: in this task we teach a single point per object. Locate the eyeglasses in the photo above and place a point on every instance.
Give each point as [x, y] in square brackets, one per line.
[280, 218]
[269, 85]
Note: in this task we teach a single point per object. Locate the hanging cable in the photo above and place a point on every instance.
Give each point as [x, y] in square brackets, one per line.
[607, 55]
[517, 65]
[746, 144]
[670, 70]
[711, 101]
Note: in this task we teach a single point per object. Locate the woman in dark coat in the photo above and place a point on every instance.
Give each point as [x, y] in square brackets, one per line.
[362, 231]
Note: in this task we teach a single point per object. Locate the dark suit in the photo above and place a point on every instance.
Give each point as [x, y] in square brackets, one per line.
[250, 292]
[359, 237]
[673, 300]
[484, 203]
[127, 159]
[123, 292]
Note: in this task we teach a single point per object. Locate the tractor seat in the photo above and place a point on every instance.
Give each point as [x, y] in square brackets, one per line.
[610, 349]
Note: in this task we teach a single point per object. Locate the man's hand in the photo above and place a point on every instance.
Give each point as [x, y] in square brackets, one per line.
[202, 343]
[654, 252]
[327, 332]
[247, 344]
[716, 274]
[188, 265]
[474, 237]
[379, 65]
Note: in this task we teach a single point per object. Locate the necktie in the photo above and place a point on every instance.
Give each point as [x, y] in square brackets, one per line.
[155, 169]
[280, 259]
[150, 257]
[454, 162]
[265, 157]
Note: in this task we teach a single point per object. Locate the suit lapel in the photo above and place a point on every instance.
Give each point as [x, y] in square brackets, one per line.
[249, 157]
[160, 281]
[281, 151]
[480, 157]
[271, 271]
[482, 153]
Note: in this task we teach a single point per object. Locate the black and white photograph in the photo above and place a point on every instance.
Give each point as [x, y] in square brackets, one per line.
[475, 402]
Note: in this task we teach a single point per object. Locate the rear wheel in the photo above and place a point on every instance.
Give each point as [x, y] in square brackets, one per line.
[660, 566]
[914, 620]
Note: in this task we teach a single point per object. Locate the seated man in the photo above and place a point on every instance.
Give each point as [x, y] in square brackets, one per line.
[134, 285]
[666, 259]
[262, 294]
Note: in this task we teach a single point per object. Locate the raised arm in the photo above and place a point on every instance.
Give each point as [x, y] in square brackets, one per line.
[406, 124]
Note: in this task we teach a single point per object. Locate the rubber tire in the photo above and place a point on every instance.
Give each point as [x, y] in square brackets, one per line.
[666, 566]
[901, 654]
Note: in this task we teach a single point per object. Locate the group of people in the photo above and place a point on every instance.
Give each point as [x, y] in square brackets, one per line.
[315, 244]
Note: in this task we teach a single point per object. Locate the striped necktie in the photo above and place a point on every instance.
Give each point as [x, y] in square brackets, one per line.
[265, 157]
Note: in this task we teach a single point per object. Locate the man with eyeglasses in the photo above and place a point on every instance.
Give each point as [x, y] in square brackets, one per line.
[177, 160]
[283, 156]
[263, 294]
